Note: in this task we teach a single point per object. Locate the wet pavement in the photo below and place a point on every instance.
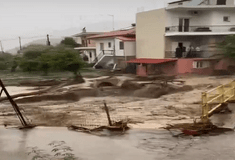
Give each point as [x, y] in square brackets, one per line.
[134, 145]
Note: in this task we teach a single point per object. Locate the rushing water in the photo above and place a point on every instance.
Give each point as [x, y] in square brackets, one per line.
[135, 145]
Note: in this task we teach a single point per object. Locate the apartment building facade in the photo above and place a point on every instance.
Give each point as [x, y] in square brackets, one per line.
[186, 34]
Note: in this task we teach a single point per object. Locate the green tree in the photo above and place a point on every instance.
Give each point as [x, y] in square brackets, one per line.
[66, 59]
[35, 51]
[5, 60]
[228, 46]
[29, 65]
[30, 60]
[70, 42]
[45, 62]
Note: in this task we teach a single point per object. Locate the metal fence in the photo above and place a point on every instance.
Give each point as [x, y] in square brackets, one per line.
[216, 98]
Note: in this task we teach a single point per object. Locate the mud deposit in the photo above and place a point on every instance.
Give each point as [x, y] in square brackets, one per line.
[82, 105]
[135, 144]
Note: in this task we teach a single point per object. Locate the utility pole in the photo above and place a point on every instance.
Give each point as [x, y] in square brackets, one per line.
[1, 46]
[20, 43]
[48, 40]
[113, 21]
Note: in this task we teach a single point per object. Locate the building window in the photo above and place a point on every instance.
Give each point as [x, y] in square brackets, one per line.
[110, 45]
[201, 64]
[90, 54]
[221, 2]
[226, 19]
[101, 46]
[121, 45]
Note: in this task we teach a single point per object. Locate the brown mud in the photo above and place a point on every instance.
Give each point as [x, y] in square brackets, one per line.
[145, 104]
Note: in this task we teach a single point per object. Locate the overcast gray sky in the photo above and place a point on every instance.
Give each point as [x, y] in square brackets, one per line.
[28, 18]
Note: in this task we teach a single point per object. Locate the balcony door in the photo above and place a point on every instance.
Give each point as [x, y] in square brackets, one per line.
[183, 25]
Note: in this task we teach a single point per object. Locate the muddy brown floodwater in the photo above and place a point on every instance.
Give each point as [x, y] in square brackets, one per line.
[134, 145]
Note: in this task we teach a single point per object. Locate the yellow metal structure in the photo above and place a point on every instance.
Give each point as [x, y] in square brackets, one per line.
[216, 99]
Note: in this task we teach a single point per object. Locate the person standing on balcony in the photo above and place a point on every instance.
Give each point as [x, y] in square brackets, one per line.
[198, 50]
[178, 52]
[190, 52]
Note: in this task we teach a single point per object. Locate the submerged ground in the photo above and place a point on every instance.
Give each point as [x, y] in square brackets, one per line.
[87, 110]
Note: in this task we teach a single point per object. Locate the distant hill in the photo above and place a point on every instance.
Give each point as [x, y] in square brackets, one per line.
[54, 42]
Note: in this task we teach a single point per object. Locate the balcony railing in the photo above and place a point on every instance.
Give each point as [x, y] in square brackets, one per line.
[214, 28]
[194, 54]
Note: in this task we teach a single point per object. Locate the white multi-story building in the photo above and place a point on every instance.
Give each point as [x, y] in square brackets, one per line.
[185, 29]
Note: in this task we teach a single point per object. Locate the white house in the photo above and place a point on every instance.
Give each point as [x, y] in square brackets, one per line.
[114, 48]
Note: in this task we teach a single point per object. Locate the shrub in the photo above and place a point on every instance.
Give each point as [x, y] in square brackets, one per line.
[29, 65]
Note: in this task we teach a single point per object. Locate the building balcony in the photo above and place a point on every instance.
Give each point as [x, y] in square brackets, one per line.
[200, 30]
[195, 54]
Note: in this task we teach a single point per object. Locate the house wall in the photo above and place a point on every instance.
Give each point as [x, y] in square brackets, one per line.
[150, 34]
[92, 57]
[129, 48]
[106, 47]
[118, 51]
[185, 66]
[217, 18]
[223, 64]
[202, 18]
[91, 43]
[211, 18]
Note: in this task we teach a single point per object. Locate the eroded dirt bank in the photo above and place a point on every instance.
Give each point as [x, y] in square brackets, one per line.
[82, 104]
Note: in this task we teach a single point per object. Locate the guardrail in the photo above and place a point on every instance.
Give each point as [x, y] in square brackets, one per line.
[216, 98]
[103, 52]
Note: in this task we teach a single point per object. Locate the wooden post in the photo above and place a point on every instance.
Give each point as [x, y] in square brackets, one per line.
[1, 46]
[48, 40]
[20, 43]
[107, 112]
[14, 105]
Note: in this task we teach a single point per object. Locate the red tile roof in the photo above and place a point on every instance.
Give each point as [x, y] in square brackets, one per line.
[114, 34]
[151, 61]
[126, 38]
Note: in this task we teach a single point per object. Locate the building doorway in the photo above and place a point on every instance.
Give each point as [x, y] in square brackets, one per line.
[183, 25]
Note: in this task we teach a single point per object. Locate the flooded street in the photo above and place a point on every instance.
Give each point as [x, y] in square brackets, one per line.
[136, 145]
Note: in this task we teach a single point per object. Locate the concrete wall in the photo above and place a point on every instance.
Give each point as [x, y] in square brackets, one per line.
[150, 34]
[129, 48]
